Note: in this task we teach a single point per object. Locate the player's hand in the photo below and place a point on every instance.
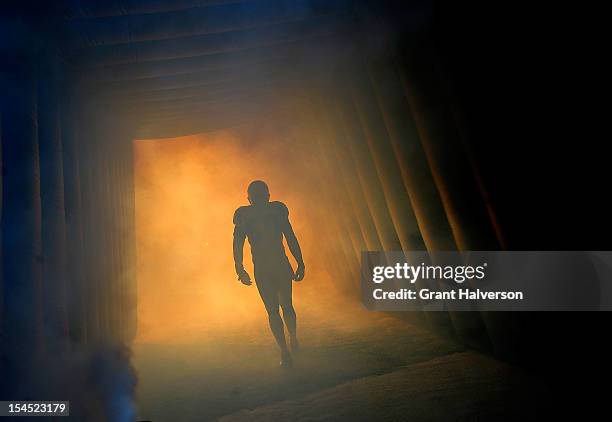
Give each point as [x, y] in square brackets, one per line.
[244, 277]
[299, 273]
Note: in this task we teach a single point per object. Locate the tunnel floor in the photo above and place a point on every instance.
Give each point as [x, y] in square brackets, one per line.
[369, 366]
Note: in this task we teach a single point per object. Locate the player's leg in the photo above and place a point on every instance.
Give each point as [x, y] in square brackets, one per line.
[286, 302]
[269, 295]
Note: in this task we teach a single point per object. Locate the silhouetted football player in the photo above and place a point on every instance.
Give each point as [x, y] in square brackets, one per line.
[265, 223]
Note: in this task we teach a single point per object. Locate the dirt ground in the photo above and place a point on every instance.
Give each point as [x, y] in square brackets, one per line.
[355, 365]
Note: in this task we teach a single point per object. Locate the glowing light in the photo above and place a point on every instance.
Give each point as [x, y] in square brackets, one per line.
[186, 192]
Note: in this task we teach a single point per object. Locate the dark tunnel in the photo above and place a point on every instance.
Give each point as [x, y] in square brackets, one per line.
[391, 120]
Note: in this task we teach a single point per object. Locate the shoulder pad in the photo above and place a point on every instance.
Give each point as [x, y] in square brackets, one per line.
[239, 214]
[280, 208]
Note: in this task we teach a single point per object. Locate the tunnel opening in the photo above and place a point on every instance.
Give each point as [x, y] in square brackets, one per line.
[186, 191]
[208, 330]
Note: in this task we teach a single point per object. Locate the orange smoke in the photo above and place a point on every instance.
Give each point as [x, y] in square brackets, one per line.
[186, 192]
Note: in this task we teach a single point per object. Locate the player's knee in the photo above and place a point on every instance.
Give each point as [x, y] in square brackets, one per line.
[288, 309]
[273, 313]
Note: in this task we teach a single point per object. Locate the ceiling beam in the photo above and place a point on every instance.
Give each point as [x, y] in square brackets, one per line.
[212, 76]
[202, 45]
[186, 127]
[200, 91]
[215, 64]
[78, 9]
[166, 25]
[249, 99]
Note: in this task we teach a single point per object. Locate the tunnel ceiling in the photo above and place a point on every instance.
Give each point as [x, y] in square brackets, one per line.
[194, 64]
[167, 63]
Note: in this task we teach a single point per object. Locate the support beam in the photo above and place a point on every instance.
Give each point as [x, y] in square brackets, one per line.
[72, 160]
[366, 172]
[384, 160]
[463, 204]
[91, 223]
[411, 158]
[334, 195]
[53, 217]
[22, 337]
[129, 212]
[348, 171]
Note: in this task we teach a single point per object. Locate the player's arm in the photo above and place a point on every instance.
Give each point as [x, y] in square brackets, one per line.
[239, 238]
[292, 242]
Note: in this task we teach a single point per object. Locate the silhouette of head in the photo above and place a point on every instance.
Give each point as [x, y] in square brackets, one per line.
[258, 192]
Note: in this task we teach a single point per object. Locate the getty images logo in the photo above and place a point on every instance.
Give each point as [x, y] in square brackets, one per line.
[412, 273]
